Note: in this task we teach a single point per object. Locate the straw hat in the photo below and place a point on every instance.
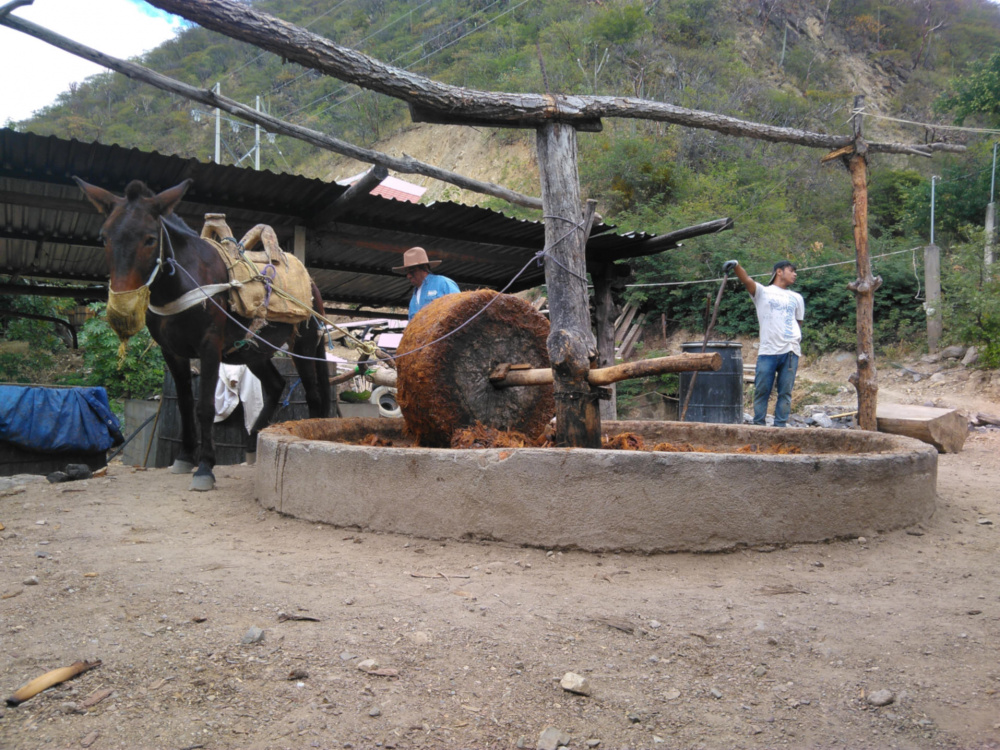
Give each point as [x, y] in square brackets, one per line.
[415, 256]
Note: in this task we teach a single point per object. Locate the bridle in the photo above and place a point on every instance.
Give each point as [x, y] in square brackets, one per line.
[190, 298]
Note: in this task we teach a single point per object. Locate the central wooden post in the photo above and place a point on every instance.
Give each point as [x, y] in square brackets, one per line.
[571, 342]
[865, 380]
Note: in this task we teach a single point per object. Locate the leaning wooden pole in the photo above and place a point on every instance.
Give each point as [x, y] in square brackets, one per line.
[865, 379]
[571, 342]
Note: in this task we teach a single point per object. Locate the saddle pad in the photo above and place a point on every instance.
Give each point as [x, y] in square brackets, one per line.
[277, 289]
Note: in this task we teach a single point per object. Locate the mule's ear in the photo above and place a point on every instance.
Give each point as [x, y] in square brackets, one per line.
[103, 200]
[167, 201]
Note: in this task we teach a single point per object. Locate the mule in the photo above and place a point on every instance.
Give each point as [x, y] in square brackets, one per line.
[151, 251]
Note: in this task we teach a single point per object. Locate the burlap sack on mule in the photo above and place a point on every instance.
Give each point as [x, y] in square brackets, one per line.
[285, 271]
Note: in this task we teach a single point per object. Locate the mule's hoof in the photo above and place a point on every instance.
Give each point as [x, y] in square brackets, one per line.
[203, 482]
[251, 458]
[181, 467]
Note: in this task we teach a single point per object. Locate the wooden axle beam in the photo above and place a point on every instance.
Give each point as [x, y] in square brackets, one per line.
[507, 375]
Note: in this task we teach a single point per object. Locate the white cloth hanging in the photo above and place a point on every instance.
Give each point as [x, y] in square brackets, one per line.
[237, 384]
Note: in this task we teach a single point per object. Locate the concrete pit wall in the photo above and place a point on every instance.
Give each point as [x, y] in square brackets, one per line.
[843, 484]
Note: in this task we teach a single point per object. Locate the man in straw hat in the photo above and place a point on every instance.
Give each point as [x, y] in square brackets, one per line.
[780, 312]
[427, 286]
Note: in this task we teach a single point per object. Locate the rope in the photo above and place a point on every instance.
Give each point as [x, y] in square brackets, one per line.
[928, 125]
[768, 274]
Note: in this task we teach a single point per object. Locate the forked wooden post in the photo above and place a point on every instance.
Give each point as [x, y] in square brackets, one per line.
[571, 343]
[865, 379]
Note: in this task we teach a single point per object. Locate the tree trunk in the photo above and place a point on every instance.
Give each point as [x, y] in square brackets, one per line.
[404, 165]
[571, 343]
[865, 380]
[469, 106]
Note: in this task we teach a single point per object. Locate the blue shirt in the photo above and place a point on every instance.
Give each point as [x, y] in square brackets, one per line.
[434, 286]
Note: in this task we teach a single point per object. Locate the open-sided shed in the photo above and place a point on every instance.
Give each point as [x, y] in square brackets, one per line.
[350, 240]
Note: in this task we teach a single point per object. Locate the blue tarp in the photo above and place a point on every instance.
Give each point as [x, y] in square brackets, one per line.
[57, 419]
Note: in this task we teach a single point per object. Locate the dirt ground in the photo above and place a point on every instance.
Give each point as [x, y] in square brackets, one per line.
[890, 640]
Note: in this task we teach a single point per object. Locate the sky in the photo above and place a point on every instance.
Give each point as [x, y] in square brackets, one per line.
[33, 73]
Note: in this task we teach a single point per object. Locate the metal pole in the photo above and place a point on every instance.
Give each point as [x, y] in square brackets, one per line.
[218, 126]
[993, 179]
[256, 141]
[933, 179]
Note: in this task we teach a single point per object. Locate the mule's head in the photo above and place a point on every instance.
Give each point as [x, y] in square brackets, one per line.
[131, 233]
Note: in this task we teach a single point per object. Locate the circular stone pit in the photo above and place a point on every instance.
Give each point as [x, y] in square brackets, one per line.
[842, 484]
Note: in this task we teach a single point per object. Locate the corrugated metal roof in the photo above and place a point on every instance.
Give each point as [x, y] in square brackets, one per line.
[49, 231]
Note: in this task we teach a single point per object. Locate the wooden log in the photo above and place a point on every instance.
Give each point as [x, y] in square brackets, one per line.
[865, 379]
[945, 429]
[506, 376]
[571, 343]
[446, 354]
[368, 182]
[245, 22]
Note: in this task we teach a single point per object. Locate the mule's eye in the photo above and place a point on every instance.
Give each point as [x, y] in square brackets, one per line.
[150, 240]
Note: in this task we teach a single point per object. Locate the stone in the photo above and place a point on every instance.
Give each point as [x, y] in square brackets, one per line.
[368, 665]
[253, 635]
[574, 683]
[760, 671]
[376, 711]
[971, 356]
[30, 581]
[552, 738]
[79, 471]
[881, 698]
[956, 351]
[822, 420]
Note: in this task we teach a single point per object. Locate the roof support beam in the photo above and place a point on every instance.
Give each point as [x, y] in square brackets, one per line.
[405, 165]
[368, 182]
[494, 108]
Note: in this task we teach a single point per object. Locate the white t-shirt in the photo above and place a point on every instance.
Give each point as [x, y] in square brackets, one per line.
[779, 312]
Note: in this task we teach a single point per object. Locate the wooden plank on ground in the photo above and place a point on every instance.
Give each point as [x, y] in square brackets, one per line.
[945, 429]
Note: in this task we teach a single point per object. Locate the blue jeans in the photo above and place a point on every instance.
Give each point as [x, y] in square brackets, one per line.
[771, 367]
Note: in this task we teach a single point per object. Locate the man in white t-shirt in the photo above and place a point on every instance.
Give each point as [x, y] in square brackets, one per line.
[780, 312]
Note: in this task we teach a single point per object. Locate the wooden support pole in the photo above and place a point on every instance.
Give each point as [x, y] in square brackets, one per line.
[603, 275]
[571, 343]
[506, 376]
[865, 379]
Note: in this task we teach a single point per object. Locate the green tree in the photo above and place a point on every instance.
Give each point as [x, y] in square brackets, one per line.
[139, 374]
[976, 93]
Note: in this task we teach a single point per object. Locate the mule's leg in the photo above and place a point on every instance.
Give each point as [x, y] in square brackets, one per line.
[204, 478]
[272, 385]
[180, 369]
[314, 374]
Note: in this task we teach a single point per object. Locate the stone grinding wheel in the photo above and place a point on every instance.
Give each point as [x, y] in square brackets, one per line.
[445, 386]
